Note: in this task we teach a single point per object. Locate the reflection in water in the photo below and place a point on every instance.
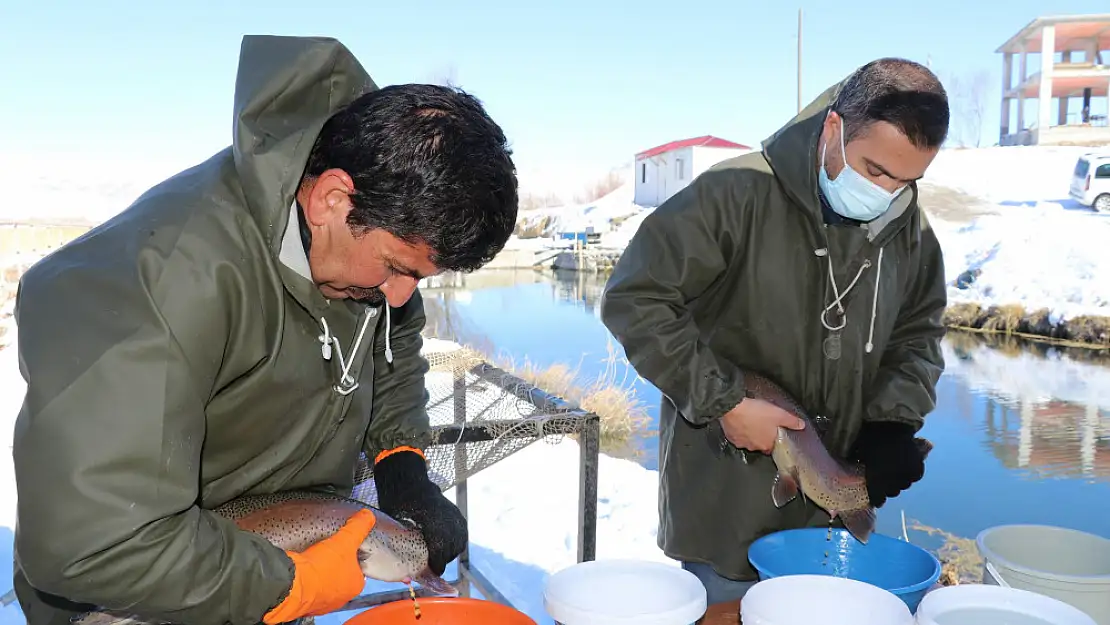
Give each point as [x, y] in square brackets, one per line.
[579, 289]
[1021, 435]
[1047, 415]
[1050, 439]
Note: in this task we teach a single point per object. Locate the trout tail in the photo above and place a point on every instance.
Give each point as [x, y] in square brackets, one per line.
[859, 523]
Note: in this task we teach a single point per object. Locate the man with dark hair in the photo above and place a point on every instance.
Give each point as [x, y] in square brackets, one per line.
[250, 325]
[812, 263]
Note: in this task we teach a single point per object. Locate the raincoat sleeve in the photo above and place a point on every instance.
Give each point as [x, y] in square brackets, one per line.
[399, 415]
[677, 253]
[904, 389]
[119, 360]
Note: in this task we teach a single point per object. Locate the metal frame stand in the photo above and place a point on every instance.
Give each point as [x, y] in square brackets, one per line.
[572, 420]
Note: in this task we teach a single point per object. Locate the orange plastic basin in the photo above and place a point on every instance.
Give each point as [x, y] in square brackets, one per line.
[441, 611]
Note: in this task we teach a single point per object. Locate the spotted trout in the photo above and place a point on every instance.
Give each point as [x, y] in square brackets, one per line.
[295, 520]
[804, 464]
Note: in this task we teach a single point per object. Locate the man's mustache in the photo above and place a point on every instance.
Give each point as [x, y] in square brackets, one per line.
[372, 295]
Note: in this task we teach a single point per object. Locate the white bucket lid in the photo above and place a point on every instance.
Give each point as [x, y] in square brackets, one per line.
[999, 600]
[797, 599]
[621, 592]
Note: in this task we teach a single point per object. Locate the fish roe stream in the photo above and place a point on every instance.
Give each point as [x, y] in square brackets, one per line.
[828, 539]
[415, 603]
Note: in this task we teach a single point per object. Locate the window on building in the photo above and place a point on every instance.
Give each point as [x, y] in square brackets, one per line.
[679, 170]
[643, 172]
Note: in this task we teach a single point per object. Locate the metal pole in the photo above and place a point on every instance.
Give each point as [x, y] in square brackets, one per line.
[799, 59]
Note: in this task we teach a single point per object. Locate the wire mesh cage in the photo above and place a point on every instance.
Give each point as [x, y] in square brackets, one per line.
[480, 415]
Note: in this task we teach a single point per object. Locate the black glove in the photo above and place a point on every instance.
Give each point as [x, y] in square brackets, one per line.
[406, 492]
[891, 456]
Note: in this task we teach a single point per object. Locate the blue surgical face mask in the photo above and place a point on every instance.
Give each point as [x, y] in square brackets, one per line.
[851, 195]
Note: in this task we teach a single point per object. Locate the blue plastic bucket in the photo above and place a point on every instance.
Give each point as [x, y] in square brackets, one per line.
[902, 568]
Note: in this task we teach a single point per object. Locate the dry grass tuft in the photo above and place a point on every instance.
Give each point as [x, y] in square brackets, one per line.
[959, 557]
[623, 417]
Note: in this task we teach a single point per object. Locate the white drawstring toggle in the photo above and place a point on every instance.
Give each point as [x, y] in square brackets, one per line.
[837, 303]
[874, 304]
[325, 340]
[388, 349]
[347, 383]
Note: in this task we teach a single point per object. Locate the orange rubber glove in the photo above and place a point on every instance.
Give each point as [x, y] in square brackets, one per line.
[326, 575]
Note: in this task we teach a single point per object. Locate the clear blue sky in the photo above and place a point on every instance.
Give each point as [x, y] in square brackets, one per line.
[577, 84]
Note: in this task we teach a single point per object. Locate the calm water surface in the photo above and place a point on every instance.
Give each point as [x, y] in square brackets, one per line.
[1021, 436]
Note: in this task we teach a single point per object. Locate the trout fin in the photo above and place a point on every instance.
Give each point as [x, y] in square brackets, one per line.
[784, 490]
[859, 523]
[436, 585]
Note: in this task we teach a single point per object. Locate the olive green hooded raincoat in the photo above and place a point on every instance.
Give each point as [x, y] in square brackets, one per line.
[179, 356]
[733, 271]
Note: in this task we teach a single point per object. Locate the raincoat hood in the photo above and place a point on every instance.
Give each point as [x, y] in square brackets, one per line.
[793, 153]
[285, 91]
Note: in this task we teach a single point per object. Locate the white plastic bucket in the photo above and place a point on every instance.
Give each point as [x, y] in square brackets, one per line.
[824, 599]
[981, 604]
[623, 592]
[1065, 564]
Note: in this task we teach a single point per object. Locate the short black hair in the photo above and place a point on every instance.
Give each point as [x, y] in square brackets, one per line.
[900, 92]
[429, 166]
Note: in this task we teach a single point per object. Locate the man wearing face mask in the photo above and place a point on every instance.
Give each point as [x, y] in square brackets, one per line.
[249, 326]
[810, 262]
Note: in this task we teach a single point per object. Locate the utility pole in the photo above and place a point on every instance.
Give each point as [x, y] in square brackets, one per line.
[799, 59]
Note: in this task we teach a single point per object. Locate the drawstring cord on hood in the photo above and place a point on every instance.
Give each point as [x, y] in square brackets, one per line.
[347, 383]
[840, 296]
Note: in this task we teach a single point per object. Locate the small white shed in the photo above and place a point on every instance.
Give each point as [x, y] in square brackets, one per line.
[664, 170]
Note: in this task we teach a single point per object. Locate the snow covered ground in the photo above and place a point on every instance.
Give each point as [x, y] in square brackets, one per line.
[1040, 249]
[1040, 256]
[1008, 175]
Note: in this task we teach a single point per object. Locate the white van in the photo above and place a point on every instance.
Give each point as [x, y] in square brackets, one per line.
[1090, 182]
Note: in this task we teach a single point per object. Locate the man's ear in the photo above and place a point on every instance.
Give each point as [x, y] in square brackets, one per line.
[329, 198]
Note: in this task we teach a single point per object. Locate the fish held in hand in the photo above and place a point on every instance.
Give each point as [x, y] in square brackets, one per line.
[805, 465]
[295, 520]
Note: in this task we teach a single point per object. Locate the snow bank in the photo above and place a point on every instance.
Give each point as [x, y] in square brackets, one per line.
[1041, 250]
[1036, 257]
[1008, 175]
[598, 216]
